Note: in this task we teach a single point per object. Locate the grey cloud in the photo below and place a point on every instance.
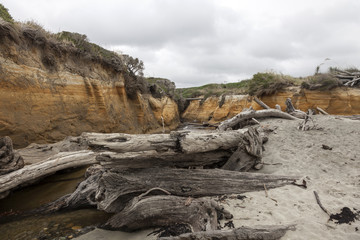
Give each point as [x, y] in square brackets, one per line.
[203, 41]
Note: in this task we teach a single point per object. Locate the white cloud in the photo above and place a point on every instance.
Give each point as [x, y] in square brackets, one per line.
[198, 42]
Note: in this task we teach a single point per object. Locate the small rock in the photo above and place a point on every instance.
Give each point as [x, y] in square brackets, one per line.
[76, 227]
[326, 147]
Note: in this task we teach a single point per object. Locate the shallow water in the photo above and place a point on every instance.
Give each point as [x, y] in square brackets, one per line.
[54, 226]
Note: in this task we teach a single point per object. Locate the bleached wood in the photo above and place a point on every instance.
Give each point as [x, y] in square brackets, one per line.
[270, 232]
[232, 122]
[179, 141]
[36, 171]
[322, 111]
[261, 103]
[116, 188]
[200, 214]
[147, 159]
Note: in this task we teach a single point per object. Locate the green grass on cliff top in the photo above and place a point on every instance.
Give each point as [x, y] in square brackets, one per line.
[263, 84]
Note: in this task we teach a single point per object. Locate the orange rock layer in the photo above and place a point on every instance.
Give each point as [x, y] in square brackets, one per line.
[39, 105]
[339, 101]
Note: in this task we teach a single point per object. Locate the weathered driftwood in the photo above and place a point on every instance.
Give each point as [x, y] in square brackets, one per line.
[116, 188]
[82, 197]
[248, 153]
[261, 103]
[322, 111]
[232, 122]
[180, 141]
[200, 214]
[36, 171]
[292, 111]
[347, 78]
[273, 232]
[9, 160]
[35, 153]
[152, 158]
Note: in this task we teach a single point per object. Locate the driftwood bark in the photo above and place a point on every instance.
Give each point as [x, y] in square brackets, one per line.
[248, 153]
[35, 153]
[347, 78]
[242, 233]
[200, 214]
[261, 103]
[181, 141]
[116, 188]
[322, 111]
[34, 172]
[292, 111]
[232, 122]
[148, 159]
[9, 160]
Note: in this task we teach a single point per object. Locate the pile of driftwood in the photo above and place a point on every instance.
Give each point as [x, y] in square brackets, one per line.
[347, 78]
[161, 180]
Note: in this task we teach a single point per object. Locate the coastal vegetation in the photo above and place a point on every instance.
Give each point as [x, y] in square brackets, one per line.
[268, 83]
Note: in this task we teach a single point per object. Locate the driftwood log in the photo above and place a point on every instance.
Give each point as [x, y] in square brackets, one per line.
[248, 153]
[243, 233]
[116, 188]
[347, 78]
[200, 214]
[322, 111]
[36, 171]
[9, 159]
[180, 141]
[170, 158]
[261, 103]
[292, 111]
[243, 116]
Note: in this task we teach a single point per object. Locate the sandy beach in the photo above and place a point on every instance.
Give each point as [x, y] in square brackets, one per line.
[334, 174]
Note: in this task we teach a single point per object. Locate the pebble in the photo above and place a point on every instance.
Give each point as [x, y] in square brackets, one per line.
[76, 227]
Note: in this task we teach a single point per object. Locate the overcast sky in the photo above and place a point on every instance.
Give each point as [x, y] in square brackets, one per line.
[194, 42]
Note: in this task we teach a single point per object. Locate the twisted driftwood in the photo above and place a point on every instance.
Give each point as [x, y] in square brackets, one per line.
[248, 153]
[274, 232]
[9, 160]
[116, 188]
[292, 111]
[232, 122]
[200, 214]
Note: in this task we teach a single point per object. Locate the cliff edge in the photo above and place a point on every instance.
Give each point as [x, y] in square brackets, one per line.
[50, 89]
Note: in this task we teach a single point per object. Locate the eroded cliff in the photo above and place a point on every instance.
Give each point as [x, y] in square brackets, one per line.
[49, 91]
[338, 101]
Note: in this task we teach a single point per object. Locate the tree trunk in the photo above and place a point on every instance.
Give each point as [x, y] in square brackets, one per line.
[242, 233]
[116, 188]
[200, 214]
[36, 171]
[232, 122]
[9, 160]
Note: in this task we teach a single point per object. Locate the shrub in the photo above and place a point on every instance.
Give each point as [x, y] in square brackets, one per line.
[267, 83]
[5, 15]
[321, 81]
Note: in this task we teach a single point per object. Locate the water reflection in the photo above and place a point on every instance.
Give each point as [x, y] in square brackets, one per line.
[61, 225]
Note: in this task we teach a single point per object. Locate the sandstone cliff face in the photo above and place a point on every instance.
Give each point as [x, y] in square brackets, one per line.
[44, 103]
[339, 101]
